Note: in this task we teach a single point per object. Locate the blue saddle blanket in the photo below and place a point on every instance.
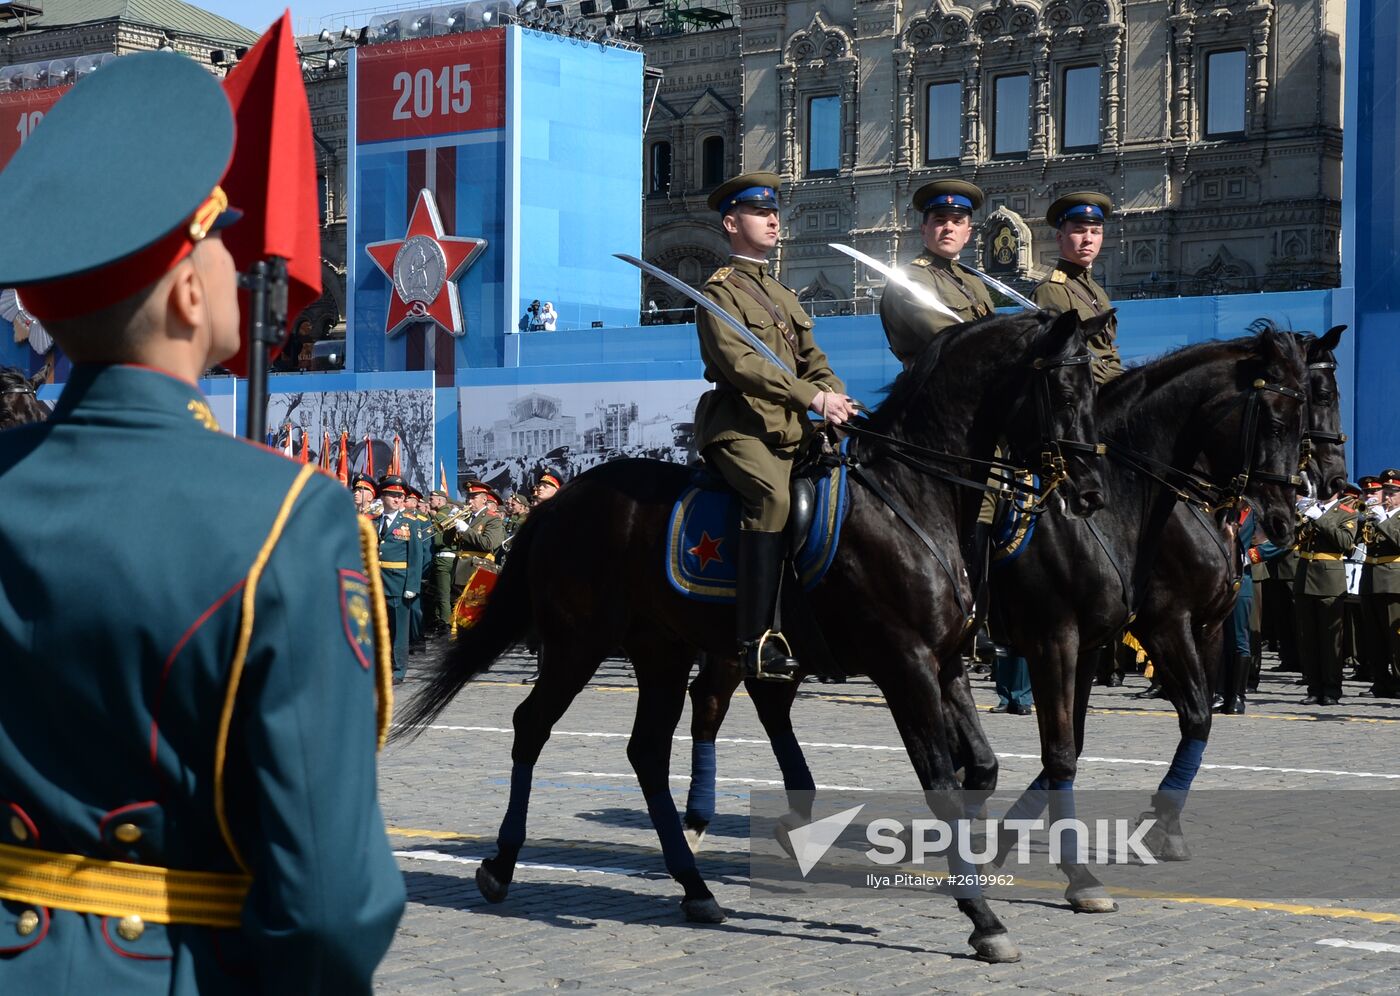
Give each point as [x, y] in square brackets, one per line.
[1014, 525]
[702, 545]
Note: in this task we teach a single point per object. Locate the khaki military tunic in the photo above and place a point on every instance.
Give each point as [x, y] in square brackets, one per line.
[1319, 593]
[1380, 600]
[751, 425]
[1071, 288]
[911, 326]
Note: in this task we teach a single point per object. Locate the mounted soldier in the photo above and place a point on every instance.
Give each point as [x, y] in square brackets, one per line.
[910, 325]
[1078, 222]
[753, 426]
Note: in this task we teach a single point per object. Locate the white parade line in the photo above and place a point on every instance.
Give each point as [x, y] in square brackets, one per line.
[1087, 759]
[1377, 946]
[686, 778]
[537, 866]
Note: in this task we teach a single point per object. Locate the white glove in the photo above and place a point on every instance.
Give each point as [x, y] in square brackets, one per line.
[1313, 512]
[460, 525]
[409, 596]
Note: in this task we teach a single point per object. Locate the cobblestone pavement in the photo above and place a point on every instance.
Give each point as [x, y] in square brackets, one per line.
[592, 909]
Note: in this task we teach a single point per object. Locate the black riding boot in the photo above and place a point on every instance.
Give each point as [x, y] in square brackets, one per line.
[1239, 681]
[763, 653]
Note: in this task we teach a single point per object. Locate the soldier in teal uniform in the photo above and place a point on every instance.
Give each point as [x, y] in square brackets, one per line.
[401, 556]
[192, 685]
[414, 504]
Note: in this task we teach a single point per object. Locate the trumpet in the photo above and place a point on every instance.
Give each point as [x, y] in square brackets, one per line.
[452, 519]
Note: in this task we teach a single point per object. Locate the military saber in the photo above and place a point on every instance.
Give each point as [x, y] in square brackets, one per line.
[997, 285]
[921, 294]
[702, 301]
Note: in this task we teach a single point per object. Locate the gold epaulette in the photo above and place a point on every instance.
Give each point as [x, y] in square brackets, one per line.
[920, 261]
[1057, 277]
[720, 275]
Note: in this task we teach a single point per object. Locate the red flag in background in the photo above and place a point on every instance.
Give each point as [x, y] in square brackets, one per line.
[324, 461]
[342, 466]
[272, 178]
[305, 450]
[395, 466]
[369, 457]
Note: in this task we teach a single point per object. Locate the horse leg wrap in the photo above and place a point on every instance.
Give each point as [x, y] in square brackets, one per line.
[1068, 839]
[512, 834]
[674, 849]
[1032, 801]
[797, 777]
[1185, 763]
[700, 803]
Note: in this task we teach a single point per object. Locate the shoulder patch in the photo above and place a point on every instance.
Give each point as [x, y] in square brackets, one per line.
[1057, 277]
[356, 617]
[920, 261]
[720, 275]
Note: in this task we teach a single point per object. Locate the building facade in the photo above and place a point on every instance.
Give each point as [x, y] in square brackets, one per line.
[1214, 126]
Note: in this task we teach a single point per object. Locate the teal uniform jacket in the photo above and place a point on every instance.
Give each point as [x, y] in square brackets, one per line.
[145, 590]
[402, 552]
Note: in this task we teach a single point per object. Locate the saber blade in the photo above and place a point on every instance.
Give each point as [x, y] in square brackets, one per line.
[997, 285]
[702, 301]
[921, 294]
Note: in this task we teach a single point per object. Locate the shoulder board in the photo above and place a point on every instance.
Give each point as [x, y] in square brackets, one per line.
[493, 513]
[1057, 277]
[720, 275]
[920, 261]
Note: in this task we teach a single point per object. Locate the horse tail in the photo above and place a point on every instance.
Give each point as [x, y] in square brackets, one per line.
[505, 621]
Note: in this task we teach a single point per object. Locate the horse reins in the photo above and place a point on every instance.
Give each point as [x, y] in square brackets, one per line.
[1194, 489]
[1005, 475]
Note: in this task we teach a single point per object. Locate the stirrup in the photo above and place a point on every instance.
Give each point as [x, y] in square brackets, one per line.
[780, 665]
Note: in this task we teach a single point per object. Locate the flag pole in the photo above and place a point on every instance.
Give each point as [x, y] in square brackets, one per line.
[266, 283]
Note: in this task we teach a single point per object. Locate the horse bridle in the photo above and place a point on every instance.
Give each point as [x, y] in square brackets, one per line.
[1310, 434]
[20, 389]
[1194, 489]
[1054, 467]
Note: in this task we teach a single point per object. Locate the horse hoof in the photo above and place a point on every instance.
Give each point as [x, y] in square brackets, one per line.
[702, 910]
[491, 888]
[786, 824]
[1091, 900]
[995, 948]
[695, 839]
[1164, 845]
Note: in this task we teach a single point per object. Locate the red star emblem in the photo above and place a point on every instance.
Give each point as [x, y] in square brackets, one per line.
[707, 550]
[422, 268]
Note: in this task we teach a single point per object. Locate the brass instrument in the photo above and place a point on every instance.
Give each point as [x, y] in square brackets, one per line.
[375, 507]
[451, 519]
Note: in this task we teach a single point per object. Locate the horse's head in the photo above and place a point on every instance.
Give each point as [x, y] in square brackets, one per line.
[1060, 392]
[19, 401]
[1272, 377]
[1324, 452]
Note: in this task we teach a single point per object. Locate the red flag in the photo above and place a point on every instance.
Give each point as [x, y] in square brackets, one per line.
[324, 462]
[305, 449]
[369, 457]
[395, 466]
[342, 466]
[272, 178]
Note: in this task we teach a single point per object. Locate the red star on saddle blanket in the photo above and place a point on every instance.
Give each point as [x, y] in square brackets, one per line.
[423, 268]
[707, 550]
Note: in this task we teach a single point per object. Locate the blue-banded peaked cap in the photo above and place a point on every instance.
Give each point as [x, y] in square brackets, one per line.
[122, 160]
[1083, 205]
[948, 195]
[759, 188]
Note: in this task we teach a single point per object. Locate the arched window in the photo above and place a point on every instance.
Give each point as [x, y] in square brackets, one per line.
[712, 162]
[660, 168]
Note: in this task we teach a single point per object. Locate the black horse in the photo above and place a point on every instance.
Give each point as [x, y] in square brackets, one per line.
[885, 603]
[19, 404]
[1206, 419]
